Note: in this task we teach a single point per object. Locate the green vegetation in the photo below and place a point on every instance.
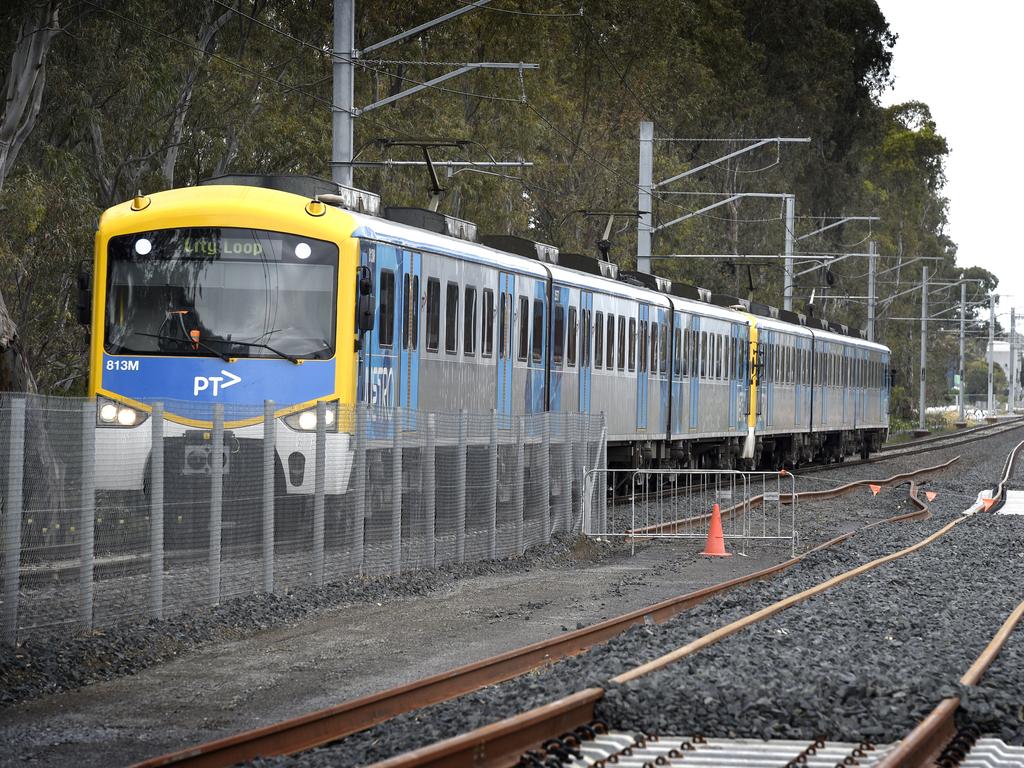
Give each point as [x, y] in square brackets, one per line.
[146, 94]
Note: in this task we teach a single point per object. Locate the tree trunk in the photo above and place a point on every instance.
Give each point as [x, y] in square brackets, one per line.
[25, 82]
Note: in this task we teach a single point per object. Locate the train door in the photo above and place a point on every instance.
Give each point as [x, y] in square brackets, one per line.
[678, 372]
[771, 365]
[735, 377]
[695, 354]
[504, 304]
[383, 344]
[798, 372]
[560, 301]
[584, 350]
[641, 344]
[408, 381]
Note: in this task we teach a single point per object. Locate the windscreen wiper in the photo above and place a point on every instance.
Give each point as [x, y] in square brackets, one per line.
[194, 342]
[290, 358]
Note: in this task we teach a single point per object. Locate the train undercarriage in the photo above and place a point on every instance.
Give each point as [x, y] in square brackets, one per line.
[771, 451]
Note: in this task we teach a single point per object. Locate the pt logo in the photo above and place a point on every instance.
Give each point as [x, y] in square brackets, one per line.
[203, 383]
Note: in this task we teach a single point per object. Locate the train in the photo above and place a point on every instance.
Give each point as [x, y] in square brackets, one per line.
[246, 289]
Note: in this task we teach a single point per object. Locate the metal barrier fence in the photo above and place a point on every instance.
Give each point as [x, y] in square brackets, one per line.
[677, 503]
[100, 523]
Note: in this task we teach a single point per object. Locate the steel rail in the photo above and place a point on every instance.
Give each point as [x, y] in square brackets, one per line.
[673, 526]
[923, 744]
[494, 744]
[326, 725]
[927, 741]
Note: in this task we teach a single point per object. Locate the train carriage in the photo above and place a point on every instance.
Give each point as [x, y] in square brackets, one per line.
[297, 291]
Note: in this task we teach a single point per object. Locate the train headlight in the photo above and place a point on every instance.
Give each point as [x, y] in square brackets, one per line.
[305, 421]
[114, 414]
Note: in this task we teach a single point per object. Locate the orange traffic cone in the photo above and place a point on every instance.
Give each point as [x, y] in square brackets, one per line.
[715, 546]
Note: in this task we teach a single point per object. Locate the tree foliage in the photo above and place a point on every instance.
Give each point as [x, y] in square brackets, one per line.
[143, 94]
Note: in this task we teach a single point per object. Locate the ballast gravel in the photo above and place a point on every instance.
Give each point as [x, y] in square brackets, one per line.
[866, 660]
[62, 660]
[885, 604]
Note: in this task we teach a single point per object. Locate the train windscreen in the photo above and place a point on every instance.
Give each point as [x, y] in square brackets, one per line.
[221, 291]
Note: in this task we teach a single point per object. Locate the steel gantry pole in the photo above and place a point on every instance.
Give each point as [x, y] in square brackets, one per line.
[1012, 369]
[342, 103]
[787, 291]
[963, 325]
[924, 348]
[991, 349]
[643, 234]
[872, 253]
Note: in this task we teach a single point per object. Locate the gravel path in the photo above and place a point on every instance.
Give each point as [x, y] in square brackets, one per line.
[63, 660]
[976, 471]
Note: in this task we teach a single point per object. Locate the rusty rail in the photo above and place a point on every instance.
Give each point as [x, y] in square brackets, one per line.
[674, 526]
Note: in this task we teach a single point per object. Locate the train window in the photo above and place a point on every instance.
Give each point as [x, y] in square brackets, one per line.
[702, 352]
[643, 346]
[524, 329]
[585, 338]
[663, 351]
[451, 319]
[433, 313]
[538, 331]
[655, 338]
[411, 311]
[559, 334]
[599, 339]
[632, 344]
[677, 352]
[505, 325]
[570, 339]
[622, 343]
[487, 324]
[386, 313]
[688, 353]
[610, 357]
[469, 322]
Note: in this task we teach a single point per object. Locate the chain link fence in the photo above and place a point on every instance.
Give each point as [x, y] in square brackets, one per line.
[100, 524]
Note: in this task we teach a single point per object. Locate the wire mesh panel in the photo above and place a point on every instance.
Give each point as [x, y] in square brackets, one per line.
[113, 513]
[670, 503]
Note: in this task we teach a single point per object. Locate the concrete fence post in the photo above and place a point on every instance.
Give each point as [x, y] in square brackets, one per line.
[430, 491]
[269, 455]
[87, 524]
[156, 513]
[544, 476]
[357, 486]
[319, 486]
[492, 488]
[396, 491]
[460, 488]
[518, 495]
[12, 527]
[216, 499]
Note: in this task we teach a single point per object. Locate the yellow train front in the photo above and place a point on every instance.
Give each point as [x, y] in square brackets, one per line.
[222, 297]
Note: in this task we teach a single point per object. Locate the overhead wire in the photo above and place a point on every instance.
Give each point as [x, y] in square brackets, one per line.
[363, 63]
[513, 12]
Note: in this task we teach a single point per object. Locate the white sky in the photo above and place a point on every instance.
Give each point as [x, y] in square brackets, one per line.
[964, 60]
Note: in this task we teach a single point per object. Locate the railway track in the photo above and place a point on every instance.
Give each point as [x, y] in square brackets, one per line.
[562, 728]
[308, 731]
